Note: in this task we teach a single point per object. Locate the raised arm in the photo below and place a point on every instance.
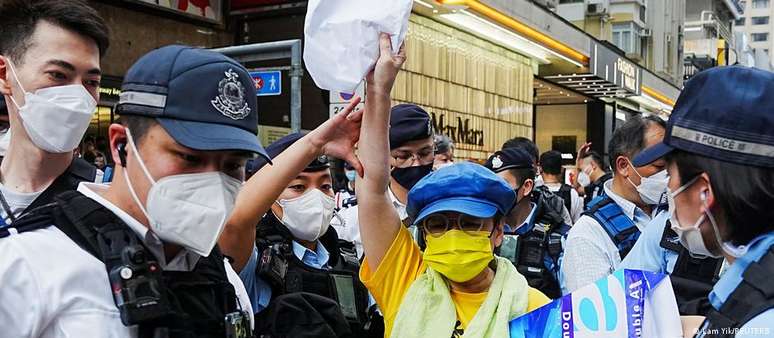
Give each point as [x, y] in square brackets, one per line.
[379, 222]
[336, 137]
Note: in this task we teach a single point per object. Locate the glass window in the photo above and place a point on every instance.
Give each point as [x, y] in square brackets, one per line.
[760, 20]
[760, 37]
[760, 4]
[740, 22]
[626, 37]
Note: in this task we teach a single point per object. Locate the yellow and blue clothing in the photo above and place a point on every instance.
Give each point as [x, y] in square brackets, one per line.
[401, 266]
[731, 279]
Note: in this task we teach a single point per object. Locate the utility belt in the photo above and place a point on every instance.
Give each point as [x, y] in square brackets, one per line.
[286, 274]
[198, 303]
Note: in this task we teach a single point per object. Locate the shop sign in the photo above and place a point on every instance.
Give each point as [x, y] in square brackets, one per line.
[204, 9]
[110, 91]
[616, 69]
[459, 130]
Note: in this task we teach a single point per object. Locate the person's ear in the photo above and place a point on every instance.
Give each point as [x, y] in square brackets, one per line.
[5, 77]
[622, 166]
[527, 186]
[706, 194]
[118, 142]
[499, 232]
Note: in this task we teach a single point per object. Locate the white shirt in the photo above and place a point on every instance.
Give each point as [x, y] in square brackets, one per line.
[17, 202]
[576, 202]
[589, 252]
[51, 288]
[347, 227]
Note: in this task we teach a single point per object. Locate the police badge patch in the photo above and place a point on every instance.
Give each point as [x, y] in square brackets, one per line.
[497, 162]
[231, 101]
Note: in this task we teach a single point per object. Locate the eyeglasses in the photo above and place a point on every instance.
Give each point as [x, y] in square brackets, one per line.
[438, 224]
[405, 159]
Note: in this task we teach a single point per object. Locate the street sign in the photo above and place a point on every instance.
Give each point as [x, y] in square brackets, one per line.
[267, 83]
[340, 100]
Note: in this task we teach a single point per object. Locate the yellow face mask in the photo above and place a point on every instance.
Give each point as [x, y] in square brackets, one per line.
[457, 255]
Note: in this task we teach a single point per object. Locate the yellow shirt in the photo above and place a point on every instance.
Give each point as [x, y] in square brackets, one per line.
[401, 266]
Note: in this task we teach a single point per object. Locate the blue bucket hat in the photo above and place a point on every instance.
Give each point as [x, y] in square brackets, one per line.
[725, 113]
[466, 188]
[203, 99]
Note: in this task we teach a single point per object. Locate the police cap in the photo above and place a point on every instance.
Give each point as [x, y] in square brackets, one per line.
[409, 122]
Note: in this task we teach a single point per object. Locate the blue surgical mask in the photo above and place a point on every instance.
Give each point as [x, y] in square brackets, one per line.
[351, 175]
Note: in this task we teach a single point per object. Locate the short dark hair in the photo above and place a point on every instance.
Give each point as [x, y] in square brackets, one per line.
[19, 19]
[745, 194]
[596, 157]
[138, 126]
[551, 162]
[522, 174]
[629, 139]
[525, 144]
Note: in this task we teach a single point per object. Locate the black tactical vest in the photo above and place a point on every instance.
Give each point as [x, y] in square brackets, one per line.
[197, 303]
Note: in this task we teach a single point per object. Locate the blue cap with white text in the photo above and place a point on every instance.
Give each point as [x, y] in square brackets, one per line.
[725, 113]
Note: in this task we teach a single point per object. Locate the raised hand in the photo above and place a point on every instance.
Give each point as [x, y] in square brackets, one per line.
[582, 151]
[338, 136]
[387, 66]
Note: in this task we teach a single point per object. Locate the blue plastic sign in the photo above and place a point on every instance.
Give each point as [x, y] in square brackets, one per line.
[268, 83]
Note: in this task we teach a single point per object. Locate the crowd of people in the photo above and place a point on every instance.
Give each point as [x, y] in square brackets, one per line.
[200, 231]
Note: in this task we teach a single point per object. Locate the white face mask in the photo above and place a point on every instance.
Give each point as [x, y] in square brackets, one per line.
[691, 237]
[55, 118]
[584, 180]
[539, 181]
[651, 188]
[188, 209]
[309, 215]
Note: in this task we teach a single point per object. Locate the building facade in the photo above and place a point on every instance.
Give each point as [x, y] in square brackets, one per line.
[648, 32]
[756, 29]
[709, 38]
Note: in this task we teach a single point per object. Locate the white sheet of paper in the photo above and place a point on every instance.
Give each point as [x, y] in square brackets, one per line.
[341, 38]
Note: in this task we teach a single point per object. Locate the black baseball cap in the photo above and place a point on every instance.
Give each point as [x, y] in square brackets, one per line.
[509, 158]
[203, 99]
[409, 122]
[276, 148]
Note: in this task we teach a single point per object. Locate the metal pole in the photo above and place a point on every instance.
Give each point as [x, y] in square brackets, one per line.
[271, 51]
[296, 73]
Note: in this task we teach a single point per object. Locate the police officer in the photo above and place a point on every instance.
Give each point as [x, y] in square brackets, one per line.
[260, 195]
[412, 153]
[720, 191]
[611, 224]
[658, 250]
[300, 252]
[537, 250]
[138, 258]
[49, 78]
[554, 208]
